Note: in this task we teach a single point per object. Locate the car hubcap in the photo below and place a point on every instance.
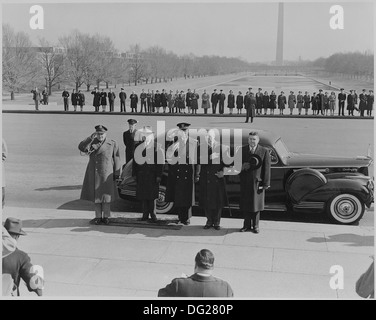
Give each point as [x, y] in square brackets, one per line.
[346, 208]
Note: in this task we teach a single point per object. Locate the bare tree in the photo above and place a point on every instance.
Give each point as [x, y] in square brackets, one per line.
[137, 65]
[19, 62]
[77, 62]
[52, 64]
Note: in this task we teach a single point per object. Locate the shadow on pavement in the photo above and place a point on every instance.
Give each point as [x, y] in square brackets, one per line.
[61, 188]
[352, 240]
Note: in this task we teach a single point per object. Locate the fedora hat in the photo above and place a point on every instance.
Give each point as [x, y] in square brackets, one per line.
[14, 226]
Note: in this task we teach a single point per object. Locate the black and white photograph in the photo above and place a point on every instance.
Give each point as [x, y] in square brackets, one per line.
[170, 150]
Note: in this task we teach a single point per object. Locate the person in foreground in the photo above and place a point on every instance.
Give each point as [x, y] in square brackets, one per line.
[199, 284]
[18, 264]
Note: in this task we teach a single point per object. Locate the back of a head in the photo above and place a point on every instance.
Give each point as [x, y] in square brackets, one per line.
[205, 259]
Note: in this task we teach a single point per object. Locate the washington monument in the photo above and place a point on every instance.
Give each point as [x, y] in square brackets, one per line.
[279, 52]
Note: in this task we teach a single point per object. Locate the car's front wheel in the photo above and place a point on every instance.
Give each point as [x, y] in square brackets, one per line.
[345, 209]
[162, 206]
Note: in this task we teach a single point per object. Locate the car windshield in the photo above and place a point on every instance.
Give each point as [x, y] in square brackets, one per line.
[282, 150]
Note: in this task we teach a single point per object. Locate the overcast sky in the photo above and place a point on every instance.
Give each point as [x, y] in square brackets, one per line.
[247, 30]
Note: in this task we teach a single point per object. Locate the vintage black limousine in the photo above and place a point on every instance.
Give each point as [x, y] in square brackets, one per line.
[339, 186]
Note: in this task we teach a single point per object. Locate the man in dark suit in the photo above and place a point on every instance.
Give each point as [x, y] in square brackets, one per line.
[143, 97]
[182, 173]
[214, 101]
[65, 96]
[320, 105]
[370, 101]
[201, 283]
[122, 97]
[148, 163]
[363, 102]
[212, 182]
[128, 138]
[18, 263]
[221, 101]
[341, 102]
[96, 99]
[254, 180]
[111, 100]
[259, 101]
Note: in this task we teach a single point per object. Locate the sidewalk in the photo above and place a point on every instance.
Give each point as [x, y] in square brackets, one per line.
[287, 260]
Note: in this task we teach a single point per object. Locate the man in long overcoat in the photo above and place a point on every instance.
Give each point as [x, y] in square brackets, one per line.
[259, 101]
[148, 163]
[341, 102]
[122, 98]
[214, 100]
[111, 100]
[212, 182]
[102, 172]
[221, 102]
[96, 99]
[254, 180]
[350, 103]
[281, 102]
[128, 139]
[182, 174]
[363, 102]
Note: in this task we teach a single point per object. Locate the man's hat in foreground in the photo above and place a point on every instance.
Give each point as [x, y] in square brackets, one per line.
[183, 125]
[14, 226]
[132, 121]
[101, 129]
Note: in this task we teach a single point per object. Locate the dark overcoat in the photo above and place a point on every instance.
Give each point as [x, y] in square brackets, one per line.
[239, 101]
[350, 102]
[134, 100]
[363, 101]
[96, 98]
[163, 99]
[265, 101]
[197, 286]
[81, 99]
[281, 102]
[231, 101]
[259, 100]
[250, 199]
[74, 99]
[147, 173]
[370, 101]
[103, 98]
[128, 139]
[212, 190]
[272, 102]
[194, 101]
[180, 180]
[157, 100]
[314, 102]
[102, 170]
[307, 101]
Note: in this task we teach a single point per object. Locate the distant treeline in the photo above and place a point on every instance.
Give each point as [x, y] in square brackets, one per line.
[354, 63]
[84, 59]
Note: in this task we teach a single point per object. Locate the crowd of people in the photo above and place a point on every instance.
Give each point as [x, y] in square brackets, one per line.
[254, 104]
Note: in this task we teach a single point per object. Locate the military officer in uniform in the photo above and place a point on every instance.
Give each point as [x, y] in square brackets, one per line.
[210, 173]
[122, 98]
[148, 163]
[182, 173]
[128, 139]
[254, 180]
[102, 172]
